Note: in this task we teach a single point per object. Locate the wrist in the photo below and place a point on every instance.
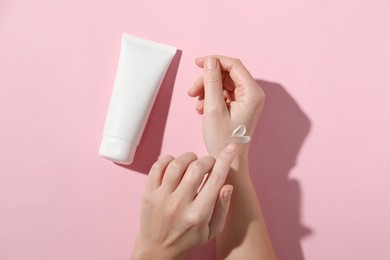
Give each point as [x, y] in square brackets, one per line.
[241, 162]
[239, 170]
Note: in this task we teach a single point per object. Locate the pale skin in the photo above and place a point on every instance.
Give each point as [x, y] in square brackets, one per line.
[175, 216]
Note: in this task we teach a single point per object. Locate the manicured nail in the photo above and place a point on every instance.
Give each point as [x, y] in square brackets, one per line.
[230, 148]
[211, 63]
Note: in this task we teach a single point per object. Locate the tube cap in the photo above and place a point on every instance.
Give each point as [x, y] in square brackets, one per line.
[117, 150]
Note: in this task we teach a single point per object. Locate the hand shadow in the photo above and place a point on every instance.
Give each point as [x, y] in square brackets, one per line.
[279, 136]
[275, 145]
[150, 145]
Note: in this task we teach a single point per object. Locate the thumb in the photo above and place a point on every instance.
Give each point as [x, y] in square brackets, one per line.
[220, 211]
[213, 89]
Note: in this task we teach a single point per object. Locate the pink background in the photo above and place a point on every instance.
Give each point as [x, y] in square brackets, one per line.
[320, 157]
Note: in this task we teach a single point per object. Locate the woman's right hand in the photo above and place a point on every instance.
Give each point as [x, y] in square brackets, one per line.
[228, 96]
[179, 212]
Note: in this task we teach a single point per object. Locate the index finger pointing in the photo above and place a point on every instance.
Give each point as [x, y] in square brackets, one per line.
[208, 194]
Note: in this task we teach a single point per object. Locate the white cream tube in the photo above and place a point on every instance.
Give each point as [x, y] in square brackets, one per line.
[141, 69]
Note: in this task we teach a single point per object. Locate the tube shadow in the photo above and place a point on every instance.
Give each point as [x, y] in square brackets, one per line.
[279, 135]
[150, 145]
[278, 138]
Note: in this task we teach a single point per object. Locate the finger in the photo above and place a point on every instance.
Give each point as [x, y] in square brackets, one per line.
[200, 105]
[212, 80]
[220, 211]
[194, 175]
[197, 88]
[175, 171]
[209, 193]
[226, 94]
[157, 171]
[228, 83]
[237, 71]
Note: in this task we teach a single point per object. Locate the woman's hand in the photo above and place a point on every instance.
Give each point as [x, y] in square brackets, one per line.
[176, 216]
[228, 96]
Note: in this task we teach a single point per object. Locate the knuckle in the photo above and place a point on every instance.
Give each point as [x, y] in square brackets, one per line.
[211, 158]
[260, 93]
[157, 166]
[176, 166]
[216, 181]
[213, 110]
[194, 219]
[147, 199]
[213, 78]
[171, 209]
[237, 61]
[209, 161]
[257, 96]
[161, 163]
[196, 167]
[262, 96]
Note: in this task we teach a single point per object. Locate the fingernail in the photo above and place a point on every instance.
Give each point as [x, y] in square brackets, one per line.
[211, 63]
[230, 148]
[227, 194]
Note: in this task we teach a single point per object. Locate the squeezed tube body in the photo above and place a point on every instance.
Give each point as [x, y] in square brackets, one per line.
[141, 69]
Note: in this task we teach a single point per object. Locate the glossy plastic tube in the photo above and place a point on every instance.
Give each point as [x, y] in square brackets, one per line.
[141, 69]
